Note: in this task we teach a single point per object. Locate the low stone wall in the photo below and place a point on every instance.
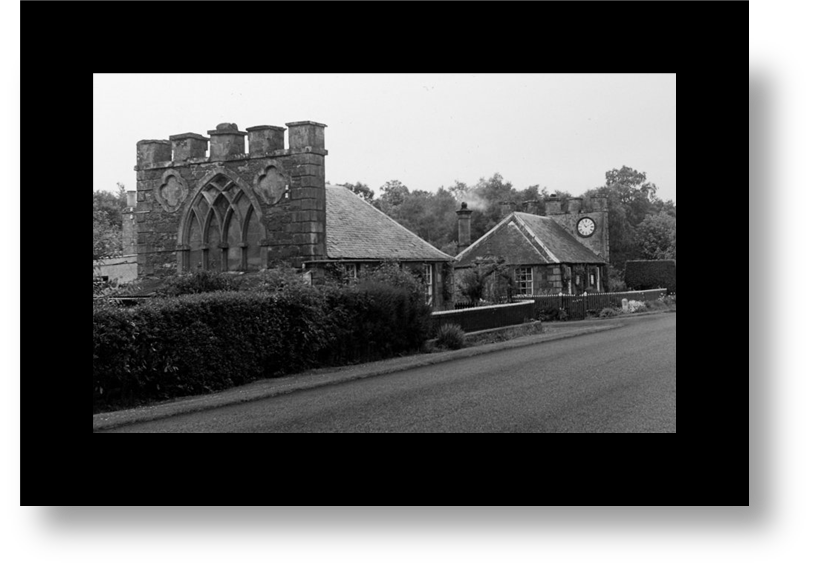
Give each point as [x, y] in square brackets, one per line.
[481, 318]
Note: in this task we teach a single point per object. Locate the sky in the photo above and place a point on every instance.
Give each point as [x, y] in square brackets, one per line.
[562, 132]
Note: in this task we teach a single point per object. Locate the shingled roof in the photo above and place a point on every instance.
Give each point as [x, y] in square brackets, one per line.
[358, 230]
[525, 239]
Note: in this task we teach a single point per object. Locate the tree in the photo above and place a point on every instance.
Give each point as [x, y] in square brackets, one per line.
[393, 194]
[361, 189]
[488, 279]
[429, 215]
[630, 199]
[633, 191]
[655, 237]
[107, 210]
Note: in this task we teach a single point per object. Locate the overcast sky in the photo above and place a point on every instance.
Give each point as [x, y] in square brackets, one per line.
[562, 132]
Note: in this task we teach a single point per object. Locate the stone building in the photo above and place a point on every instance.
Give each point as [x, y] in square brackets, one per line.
[559, 252]
[233, 210]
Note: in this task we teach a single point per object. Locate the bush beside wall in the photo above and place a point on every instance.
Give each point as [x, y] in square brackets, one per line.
[651, 274]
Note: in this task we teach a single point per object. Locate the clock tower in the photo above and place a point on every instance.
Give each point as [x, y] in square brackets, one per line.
[586, 220]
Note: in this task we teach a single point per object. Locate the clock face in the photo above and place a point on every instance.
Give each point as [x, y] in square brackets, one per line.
[586, 227]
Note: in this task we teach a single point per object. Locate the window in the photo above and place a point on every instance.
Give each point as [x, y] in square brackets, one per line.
[352, 270]
[222, 230]
[524, 279]
[427, 279]
[592, 279]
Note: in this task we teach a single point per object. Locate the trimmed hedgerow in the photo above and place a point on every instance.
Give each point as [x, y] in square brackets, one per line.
[200, 343]
[651, 274]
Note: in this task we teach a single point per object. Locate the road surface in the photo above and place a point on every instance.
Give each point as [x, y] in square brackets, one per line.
[619, 381]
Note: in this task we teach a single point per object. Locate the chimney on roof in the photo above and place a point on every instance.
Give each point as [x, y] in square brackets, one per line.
[552, 205]
[506, 208]
[463, 227]
[530, 207]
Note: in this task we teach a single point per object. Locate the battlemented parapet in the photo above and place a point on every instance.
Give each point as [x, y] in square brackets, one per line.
[210, 203]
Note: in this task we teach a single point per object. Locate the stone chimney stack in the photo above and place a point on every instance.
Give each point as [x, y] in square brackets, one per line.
[506, 208]
[552, 205]
[463, 227]
[599, 205]
[530, 207]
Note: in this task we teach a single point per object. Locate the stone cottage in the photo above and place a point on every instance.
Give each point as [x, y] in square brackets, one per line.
[559, 252]
[233, 210]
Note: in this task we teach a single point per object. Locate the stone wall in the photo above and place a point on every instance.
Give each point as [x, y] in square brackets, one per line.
[232, 209]
[482, 318]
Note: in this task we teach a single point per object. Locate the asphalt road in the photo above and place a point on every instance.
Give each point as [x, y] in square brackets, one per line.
[619, 381]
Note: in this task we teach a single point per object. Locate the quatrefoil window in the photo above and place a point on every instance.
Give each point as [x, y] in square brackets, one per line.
[172, 191]
[271, 184]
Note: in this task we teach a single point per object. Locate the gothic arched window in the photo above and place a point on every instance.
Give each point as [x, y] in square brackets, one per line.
[222, 229]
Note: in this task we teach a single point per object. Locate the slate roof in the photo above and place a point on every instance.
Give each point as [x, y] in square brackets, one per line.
[526, 239]
[358, 230]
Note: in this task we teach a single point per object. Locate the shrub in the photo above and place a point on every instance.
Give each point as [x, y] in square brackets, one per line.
[198, 343]
[615, 279]
[549, 313]
[651, 274]
[607, 312]
[375, 320]
[451, 336]
[199, 282]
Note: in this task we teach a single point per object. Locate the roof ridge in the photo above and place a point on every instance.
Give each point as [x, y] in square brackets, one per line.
[536, 238]
[550, 222]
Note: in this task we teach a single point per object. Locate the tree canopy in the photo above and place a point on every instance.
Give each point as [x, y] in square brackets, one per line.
[630, 199]
[107, 209]
[638, 224]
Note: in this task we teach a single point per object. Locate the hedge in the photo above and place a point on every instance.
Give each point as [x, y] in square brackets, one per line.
[651, 274]
[195, 344]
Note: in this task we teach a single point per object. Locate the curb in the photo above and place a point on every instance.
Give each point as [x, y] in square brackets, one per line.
[270, 388]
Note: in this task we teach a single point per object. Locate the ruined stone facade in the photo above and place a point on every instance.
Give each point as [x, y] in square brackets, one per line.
[230, 210]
